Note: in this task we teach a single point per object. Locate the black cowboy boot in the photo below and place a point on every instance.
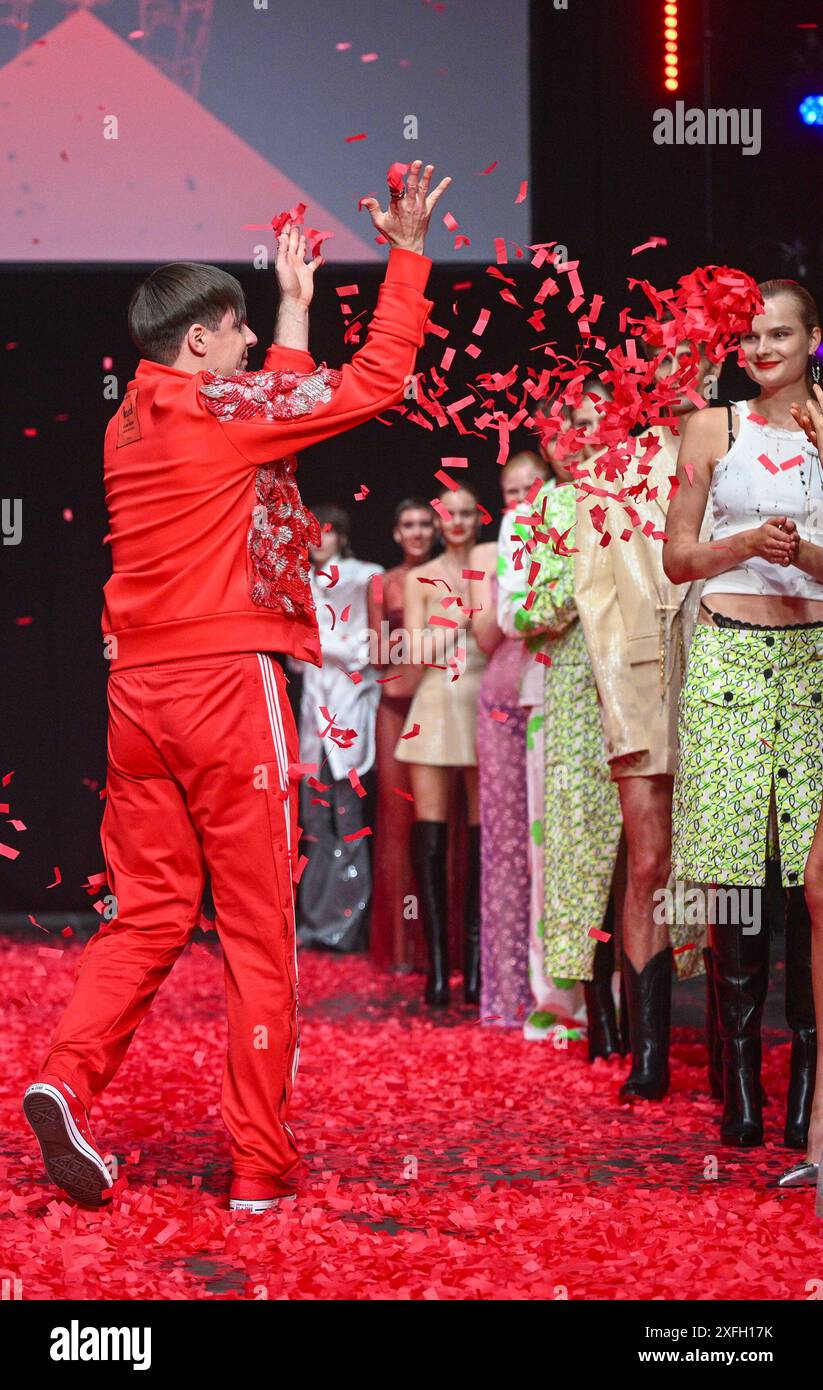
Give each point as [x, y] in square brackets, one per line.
[601, 1019]
[471, 922]
[741, 979]
[800, 1018]
[649, 996]
[714, 1043]
[429, 841]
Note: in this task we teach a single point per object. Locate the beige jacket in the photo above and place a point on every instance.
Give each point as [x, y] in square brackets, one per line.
[632, 615]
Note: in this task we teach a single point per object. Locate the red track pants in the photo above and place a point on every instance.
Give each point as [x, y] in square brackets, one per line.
[198, 754]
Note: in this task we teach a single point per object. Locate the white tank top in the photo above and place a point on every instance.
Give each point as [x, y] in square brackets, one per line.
[752, 483]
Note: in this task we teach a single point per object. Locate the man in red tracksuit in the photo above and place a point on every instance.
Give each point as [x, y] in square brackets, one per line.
[210, 574]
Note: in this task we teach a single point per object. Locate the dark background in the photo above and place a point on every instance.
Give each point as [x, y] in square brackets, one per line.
[598, 184]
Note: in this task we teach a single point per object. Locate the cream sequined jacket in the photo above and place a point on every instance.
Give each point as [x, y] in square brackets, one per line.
[630, 611]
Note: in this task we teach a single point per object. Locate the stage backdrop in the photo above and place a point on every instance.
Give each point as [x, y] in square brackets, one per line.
[180, 143]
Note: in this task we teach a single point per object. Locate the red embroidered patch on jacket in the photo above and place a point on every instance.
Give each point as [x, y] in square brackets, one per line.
[281, 532]
[282, 528]
[268, 395]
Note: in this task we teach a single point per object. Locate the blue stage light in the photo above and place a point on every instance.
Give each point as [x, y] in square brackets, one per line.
[811, 110]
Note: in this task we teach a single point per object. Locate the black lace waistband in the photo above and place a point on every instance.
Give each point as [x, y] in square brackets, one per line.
[722, 620]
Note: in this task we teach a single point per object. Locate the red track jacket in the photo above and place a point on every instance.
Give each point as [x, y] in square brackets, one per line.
[209, 536]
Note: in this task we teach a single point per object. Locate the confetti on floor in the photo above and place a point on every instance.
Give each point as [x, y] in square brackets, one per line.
[444, 1160]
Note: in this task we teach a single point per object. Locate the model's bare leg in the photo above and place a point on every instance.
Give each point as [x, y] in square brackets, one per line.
[646, 804]
[647, 959]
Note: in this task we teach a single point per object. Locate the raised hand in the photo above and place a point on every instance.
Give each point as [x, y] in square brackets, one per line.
[406, 220]
[295, 274]
[810, 419]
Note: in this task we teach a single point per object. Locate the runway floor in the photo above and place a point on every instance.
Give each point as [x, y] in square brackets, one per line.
[444, 1160]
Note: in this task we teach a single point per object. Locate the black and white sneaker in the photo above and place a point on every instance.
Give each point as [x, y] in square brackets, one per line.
[60, 1122]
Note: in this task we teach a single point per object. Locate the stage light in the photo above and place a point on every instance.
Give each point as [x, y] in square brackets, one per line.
[811, 110]
[670, 46]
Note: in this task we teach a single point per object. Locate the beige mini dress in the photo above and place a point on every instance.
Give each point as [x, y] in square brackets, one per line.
[444, 707]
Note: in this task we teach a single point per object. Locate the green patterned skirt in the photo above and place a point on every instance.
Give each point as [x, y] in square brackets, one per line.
[751, 719]
[582, 820]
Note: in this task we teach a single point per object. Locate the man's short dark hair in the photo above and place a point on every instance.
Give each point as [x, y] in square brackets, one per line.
[175, 296]
[335, 518]
[412, 504]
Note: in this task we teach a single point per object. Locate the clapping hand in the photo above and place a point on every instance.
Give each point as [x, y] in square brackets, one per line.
[295, 274]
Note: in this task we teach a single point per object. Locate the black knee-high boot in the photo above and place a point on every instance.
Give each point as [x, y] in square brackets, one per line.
[471, 922]
[714, 1043]
[601, 1019]
[429, 842]
[741, 979]
[800, 1018]
[649, 996]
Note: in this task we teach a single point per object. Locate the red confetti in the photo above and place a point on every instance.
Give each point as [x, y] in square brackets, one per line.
[650, 244]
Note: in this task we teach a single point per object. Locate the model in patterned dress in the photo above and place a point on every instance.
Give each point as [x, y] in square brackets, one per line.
[578, 823]
[501, 756]
[751, 717]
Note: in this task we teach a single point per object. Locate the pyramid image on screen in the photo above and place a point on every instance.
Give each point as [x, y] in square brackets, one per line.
[177, 184]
